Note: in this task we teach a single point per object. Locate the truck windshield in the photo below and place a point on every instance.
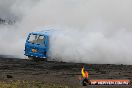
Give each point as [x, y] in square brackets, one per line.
[38, 39]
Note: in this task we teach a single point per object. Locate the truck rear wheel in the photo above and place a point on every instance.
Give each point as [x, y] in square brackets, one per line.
[37, 59]
[43, 59]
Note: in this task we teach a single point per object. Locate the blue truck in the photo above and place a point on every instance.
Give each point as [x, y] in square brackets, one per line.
[37, 45]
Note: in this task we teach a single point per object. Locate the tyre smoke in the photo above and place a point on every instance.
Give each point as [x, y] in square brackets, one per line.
[90, 31]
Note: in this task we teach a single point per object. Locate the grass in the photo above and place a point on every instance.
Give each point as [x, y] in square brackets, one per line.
[36, 84]
[27, 84]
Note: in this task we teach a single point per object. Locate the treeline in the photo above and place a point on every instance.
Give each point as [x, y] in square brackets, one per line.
[7, 21]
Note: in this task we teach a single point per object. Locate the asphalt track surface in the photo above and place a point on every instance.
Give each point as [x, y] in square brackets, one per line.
[60, 72]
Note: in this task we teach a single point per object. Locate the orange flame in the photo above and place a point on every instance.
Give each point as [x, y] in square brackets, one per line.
[84, 73]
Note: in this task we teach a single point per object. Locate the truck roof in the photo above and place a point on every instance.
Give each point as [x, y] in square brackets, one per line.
[43, 32]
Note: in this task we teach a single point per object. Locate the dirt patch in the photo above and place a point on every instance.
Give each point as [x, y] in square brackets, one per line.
[12, 69]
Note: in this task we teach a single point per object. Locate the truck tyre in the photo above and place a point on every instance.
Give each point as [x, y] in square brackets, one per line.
[45, 59]
[37, 59]
[32, 58]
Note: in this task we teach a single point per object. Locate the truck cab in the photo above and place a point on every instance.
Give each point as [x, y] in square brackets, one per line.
[36, 45]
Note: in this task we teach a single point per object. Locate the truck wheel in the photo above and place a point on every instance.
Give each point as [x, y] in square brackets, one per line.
[37, 59]
[43, 59]
[31, 58]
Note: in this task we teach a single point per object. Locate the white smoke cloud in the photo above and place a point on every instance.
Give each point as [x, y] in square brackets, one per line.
[92, 31]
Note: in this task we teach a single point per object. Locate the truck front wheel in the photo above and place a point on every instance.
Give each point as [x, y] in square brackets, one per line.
[32, 58]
